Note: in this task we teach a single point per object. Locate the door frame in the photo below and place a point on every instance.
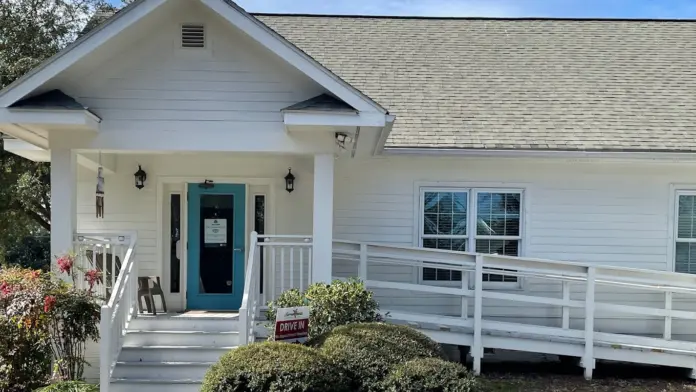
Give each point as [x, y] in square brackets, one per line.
[180, 183]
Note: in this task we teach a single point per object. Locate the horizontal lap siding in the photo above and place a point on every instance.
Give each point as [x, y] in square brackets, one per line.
[231, 84]
[610, 213]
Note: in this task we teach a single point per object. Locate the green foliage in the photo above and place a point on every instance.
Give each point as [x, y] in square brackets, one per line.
[42, 318]
[72, 322]
[331, 305]
[25, 353]
[31, 252]
[274, 367]
[70, 386]
[368, 351]
[430, 375]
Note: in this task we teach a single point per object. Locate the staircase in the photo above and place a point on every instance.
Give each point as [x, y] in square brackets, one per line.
[172, 353]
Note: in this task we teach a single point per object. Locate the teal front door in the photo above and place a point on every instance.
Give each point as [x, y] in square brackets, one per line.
[215, 272]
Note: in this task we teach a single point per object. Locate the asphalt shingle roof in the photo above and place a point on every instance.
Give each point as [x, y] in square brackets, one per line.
[539, 84]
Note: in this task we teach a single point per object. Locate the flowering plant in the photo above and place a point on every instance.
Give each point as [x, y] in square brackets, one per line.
[43, 317]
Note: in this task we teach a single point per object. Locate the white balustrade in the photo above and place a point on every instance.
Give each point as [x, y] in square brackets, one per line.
[114, 256]
[102, 252]
[586, 343]
[276, 263]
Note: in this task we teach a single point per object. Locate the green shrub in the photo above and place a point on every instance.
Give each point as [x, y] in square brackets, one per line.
[331, 305]
[367, 352]
[30, 252]
[274, 367]
[70, 386]
[429, 375]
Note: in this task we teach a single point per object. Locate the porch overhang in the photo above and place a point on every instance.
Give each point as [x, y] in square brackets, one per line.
[51, 119]
[311, 120]
[27, 150]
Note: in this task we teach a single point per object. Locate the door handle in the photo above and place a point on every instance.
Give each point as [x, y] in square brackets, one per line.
[239, 249]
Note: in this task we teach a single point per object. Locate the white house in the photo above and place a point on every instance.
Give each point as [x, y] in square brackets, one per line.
[430, 156]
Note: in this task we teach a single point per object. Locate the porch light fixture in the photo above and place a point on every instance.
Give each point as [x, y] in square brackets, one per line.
[140, 177]
[342, 139]
[290, 181]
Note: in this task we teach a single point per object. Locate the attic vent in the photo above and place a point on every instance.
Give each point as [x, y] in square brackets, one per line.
[192, 36]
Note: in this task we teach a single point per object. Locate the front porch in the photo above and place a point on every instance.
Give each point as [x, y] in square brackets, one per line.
[168, 218]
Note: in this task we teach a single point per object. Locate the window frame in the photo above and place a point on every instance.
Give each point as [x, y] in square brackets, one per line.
[472, 191]
[677, 192]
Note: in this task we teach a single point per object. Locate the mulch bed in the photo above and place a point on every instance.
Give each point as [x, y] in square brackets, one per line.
[554, 377]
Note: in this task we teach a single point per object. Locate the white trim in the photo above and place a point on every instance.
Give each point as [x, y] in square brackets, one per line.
[183, 183]
[291, 54]
[472, 189]
[520, 153]
[334, 119]
[29, 136]
[384, 135]
[81, 48]
[82, 118]
[676, 190]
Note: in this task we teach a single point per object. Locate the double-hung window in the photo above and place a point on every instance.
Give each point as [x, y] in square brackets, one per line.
[685, 247]
[478, 220]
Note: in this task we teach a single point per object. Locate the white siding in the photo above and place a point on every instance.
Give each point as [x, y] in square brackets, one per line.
[609, 213]
[154, 84]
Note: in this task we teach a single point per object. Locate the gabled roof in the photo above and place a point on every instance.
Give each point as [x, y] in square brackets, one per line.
[229, 10]
[533, 84]
[324, 103]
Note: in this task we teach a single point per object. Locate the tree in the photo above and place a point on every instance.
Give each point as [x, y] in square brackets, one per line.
[30, 32]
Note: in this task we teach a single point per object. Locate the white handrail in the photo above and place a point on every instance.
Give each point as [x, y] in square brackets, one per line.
[247, 311]
[116, 315]
[585, 276]
[287, 263]
[103, 252]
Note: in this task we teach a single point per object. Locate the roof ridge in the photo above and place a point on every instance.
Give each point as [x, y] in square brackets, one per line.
[512, 19]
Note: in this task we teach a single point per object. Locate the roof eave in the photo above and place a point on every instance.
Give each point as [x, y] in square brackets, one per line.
[553, 154]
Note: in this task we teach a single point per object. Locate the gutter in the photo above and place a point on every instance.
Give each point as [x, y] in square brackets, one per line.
[552, 154]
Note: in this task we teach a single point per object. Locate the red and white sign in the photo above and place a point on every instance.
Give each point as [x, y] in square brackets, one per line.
[292, 324]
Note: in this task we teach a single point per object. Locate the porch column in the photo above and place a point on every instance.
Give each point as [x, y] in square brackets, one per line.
[323, 217]
[63, 200]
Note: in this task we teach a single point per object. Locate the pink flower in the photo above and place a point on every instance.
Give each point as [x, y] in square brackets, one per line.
[5, 289]
[65, 264]
[49, 303]
[93, 277]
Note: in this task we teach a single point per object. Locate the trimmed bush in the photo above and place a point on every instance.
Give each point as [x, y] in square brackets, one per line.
[429, 375]
[274, 367]
[70, 386]
[368, 351]
[331, 305]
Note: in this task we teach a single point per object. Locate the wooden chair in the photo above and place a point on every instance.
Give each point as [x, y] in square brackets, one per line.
[148, 287]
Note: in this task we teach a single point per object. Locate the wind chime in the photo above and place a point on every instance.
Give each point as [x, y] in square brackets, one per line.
[100, 190]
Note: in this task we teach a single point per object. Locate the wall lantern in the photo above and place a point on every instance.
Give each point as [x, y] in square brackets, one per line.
[290, 181]
[140, 177]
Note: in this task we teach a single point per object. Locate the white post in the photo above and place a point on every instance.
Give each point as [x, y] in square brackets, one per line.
[588, 361]
[668, 319]
[362, 273]
[63, 200]
[477, 349]
[105, 349]
[566, 309]
[323, 218]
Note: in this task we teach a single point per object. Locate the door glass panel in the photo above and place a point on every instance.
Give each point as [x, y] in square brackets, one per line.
[175, 243]
[217, 247]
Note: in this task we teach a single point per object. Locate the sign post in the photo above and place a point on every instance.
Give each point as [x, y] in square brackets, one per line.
[292, 324]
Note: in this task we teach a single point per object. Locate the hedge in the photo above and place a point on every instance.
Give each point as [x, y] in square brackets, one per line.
[430, 375]
[368, 351]
[274, 367]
